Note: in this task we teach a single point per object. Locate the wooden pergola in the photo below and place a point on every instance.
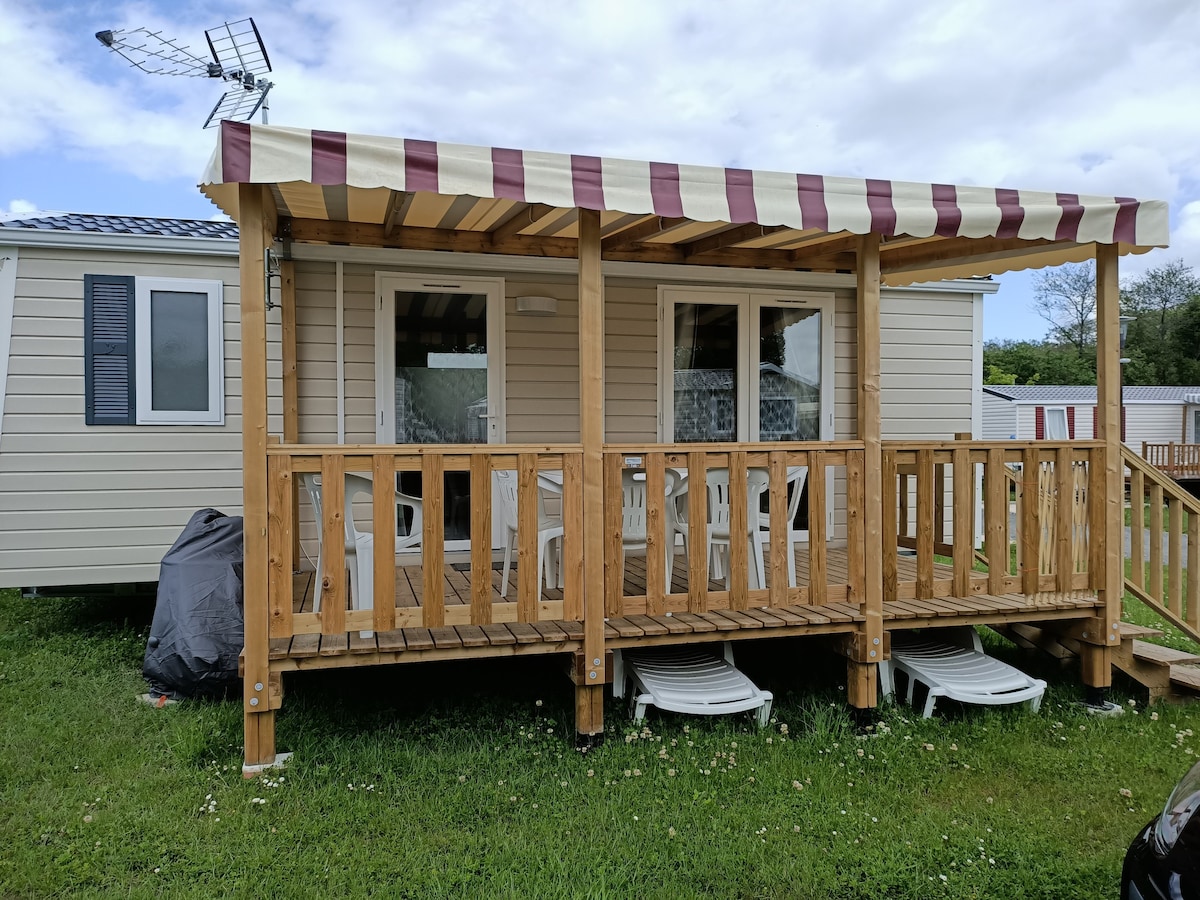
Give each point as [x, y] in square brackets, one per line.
[332, 188]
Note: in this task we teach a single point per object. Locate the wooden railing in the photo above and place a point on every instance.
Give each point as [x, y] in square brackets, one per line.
[286, 462]
[1151, 494]
[1177, 460]
[690, 464]
[1038, 503]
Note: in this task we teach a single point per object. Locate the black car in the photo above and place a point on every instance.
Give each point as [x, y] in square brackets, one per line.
[1164, 859]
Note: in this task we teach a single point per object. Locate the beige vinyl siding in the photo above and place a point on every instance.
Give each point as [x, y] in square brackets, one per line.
[999, 418]
[927, 382]
[86, 504]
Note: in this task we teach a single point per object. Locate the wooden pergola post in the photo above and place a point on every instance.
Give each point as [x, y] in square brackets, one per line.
[254, 236]
[1096, 656]
[589, 694]
[869, 647]
[291, 403]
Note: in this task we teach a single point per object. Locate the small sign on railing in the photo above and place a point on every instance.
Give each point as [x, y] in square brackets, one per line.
[634, 462]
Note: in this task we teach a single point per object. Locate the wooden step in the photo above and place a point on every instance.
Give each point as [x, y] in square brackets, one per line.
[1160, 655]
[1187, 677]
[1129, 631]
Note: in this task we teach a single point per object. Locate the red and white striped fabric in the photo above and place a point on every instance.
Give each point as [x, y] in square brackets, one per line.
[265, 154]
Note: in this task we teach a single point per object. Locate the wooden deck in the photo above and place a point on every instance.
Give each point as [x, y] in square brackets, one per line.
[835, 616]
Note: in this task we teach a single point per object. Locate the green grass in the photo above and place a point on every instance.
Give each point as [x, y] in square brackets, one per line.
[450, 780]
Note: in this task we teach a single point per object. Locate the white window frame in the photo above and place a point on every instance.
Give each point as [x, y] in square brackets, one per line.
[748, 303]
[1065, 421]
[145, 414]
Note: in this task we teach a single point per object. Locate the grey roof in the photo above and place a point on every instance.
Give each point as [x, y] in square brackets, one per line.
[1086, 394]
[88, 222]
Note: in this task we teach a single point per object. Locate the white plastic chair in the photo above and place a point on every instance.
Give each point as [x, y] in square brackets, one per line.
[796, 477]
[718, 493]
[360, 546]
[633, 515]
[550, 528]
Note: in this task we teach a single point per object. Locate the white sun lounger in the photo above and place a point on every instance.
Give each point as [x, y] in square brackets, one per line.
[687, 680]
[950, 662]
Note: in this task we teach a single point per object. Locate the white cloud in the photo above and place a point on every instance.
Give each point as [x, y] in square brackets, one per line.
[1095, 97]
[18, 209]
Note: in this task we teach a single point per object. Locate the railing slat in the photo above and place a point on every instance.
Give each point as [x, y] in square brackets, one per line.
[856, 525]
[739, 525]
[1031, 524]
[1156, 541]
[433, 541]
[656, 549]
[529, 572]
[893, 485]
[614, 555]
[1065, 517]
[333, 561]
[481, 540]
[995, 512]
[1192, 613]
[1175, 557]
[964, 521]
[572, 513]
[818, 581]
[777, 471]
[280, 530]
[384, 524]
[926, 490]
[697, 533]
[1137, 527]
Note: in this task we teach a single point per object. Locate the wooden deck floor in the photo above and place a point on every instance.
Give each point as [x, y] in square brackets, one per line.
[516, 638]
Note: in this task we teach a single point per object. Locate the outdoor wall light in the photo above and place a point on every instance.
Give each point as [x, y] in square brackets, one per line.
[537, 306]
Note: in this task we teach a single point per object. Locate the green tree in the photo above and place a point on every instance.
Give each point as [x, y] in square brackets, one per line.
[1065, 296]
[1162, 340]
[1037, 362]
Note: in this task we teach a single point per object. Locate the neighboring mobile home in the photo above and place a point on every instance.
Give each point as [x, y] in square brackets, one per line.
[1152, 414]
[95, 485]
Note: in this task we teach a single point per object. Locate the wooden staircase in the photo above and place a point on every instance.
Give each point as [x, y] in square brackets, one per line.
[1167, 674]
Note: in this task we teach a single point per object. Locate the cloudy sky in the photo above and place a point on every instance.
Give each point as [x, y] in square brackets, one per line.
[1082, 96]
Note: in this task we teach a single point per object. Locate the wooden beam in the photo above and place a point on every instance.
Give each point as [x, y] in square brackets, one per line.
[865, 692]
[320, 231]
[1108, 398]
[399, 202]
[259, 720]
[520, 220]
[641, 231]
[730, 237]
[589, 708]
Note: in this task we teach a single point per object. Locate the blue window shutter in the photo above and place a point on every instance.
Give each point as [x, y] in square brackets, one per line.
[108, 356]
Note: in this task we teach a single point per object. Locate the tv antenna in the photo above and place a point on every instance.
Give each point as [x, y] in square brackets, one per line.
[238, 58]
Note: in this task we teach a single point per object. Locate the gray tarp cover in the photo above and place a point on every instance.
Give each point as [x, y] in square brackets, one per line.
[197, 633]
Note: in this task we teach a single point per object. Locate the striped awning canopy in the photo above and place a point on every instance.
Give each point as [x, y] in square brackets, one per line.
[356, 189]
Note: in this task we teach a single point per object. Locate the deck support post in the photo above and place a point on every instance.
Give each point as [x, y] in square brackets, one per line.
[255, 226]
[862, 682]
[1096, 652]
[589, 696]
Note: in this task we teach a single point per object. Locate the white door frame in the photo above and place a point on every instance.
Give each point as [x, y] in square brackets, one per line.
[386, 286]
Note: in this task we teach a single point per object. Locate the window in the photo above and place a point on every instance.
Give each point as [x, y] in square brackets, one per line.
[153, 351]
[745, 365]
[1057, 428]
